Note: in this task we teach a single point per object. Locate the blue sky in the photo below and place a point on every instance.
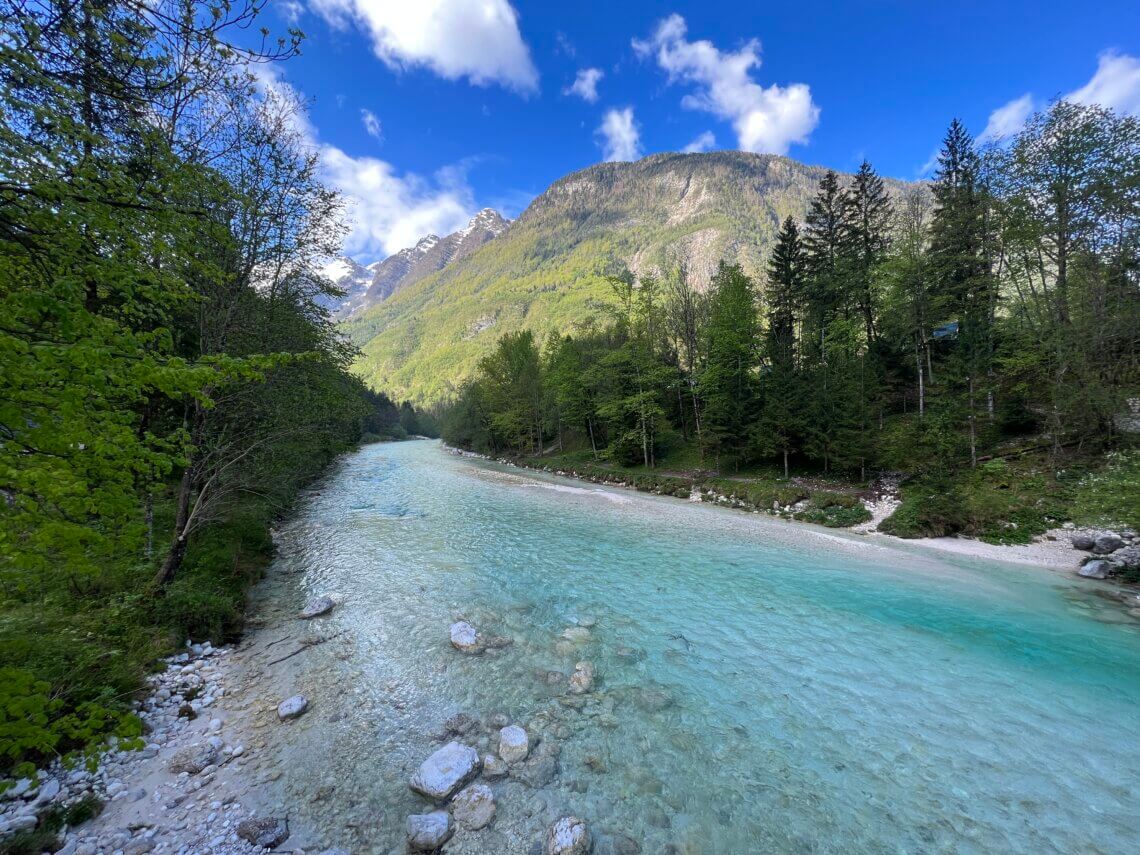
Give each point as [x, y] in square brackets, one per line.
[427, 110]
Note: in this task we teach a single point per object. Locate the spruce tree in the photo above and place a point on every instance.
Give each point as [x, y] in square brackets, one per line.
[961, 270]
[729, 383]
[868, 219]
[780, 426]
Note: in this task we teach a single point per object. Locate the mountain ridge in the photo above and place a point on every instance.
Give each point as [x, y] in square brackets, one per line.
[547, 271]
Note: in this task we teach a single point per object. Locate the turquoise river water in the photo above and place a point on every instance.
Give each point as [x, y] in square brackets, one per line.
[762, 686]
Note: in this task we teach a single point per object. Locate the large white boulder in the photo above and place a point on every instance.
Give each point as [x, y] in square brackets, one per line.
[446, 771]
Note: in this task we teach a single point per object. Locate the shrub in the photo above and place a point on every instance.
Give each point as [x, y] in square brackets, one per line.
[928, 509]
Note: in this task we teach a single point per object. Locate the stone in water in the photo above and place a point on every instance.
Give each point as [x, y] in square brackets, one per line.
[446, 771]
[292, 707]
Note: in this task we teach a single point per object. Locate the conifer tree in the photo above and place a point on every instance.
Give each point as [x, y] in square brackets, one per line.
[868, 219]
[729, 382]
[780, 425]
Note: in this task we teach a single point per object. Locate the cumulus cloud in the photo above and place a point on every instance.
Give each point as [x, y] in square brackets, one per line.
[585, 85]
[619, 135]
[765, 118]
[475, 39]
[386, 210]
[371, 124]
[1007, 119]
[702, 143]
[1115, 85]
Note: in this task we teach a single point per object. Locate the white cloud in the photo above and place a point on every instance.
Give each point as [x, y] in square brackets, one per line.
[702, 143]
[476, 39]
[1116, 84]
[585, 85]
[371, 124]
[386, 211]
[619, 135]
[1007, 120]
[290, 10]
[766, 119]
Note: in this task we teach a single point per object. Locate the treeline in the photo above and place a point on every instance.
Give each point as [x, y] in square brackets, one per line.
[169, 378]
[914, 331]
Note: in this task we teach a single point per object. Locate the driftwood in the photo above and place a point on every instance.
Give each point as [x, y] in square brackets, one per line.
[305, 645]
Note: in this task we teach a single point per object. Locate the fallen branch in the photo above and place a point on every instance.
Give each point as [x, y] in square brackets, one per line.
[305, 646]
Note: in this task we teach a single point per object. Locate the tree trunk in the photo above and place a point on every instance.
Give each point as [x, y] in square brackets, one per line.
[593, 445]
[973, 430]
[921, 388]
[173, 561]
[785, 463]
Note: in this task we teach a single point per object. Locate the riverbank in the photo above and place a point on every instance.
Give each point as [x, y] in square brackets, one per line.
[1053, 550]
[203, 778]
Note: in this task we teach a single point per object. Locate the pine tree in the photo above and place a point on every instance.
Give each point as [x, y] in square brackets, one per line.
[780, 425]
[960, 266]
[868, 218]
[729, 382]
[826, 241]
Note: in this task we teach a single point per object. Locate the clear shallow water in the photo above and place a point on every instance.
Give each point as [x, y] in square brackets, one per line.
[762, 686]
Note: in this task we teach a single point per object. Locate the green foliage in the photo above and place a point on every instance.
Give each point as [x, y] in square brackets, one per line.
[1111, 496]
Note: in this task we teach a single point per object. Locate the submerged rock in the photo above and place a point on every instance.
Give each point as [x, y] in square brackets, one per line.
[464, 638]
[540, 768]
[582, 680]
[494, 766]
[292, 707]
[446, 771]
[429, 831]
[267, 832]
[513, 744]
[460, 724]
[474, 807]
[316, 607]
[568, 836]
[576, 634]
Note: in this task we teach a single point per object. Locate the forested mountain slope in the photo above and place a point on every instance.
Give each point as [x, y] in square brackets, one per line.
[662, 214]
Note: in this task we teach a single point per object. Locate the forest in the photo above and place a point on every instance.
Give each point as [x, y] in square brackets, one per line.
[169, 379]
[949, 332]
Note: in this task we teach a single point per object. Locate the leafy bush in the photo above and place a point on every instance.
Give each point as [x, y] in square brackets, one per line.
[929, 509]
[35, 725]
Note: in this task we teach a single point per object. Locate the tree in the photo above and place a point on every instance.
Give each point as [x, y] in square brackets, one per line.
[687, 318]
[868, 216]
[960, 264]
[780, 424]
[827, 241]
[728, 383]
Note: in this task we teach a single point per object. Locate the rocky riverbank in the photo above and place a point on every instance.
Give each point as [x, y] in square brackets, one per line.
[194, 785]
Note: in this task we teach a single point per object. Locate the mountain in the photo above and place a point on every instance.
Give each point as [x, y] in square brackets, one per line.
[547, 271]
[351, 277]
[430, 254]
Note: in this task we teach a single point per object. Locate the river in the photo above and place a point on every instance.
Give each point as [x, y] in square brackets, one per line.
[762, 686]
